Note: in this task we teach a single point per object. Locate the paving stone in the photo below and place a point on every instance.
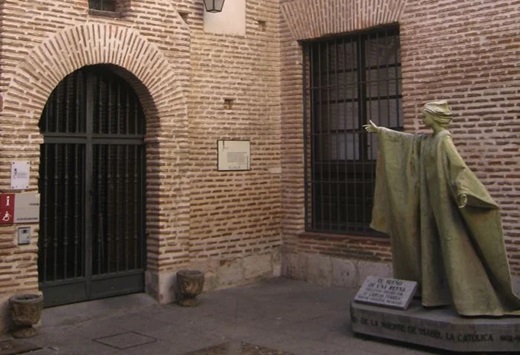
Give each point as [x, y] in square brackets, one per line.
[16, 346]
[237, 348]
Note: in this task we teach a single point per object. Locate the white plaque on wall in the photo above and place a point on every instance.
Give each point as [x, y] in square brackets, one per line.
[234, 155]
[20, 175]
[27, 208]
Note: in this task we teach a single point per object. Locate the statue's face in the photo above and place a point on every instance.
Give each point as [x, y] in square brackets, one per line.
[428, 119]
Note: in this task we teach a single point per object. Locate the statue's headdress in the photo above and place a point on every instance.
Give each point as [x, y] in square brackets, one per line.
[440, 111]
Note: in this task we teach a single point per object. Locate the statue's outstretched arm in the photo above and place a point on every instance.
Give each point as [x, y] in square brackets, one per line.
[371, 127]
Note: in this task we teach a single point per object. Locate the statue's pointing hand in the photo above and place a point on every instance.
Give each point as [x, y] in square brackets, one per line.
[371, 127]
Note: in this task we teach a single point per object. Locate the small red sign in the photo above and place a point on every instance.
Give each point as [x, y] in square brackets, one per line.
[6, 208]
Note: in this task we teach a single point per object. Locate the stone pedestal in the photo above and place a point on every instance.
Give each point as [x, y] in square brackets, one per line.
[437, 328]
[190, 284]
[26, 311]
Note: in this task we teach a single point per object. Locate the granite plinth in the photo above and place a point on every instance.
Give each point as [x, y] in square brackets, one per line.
[437, 328]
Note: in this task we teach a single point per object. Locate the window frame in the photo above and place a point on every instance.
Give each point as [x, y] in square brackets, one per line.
[119, 8]
[347, 174]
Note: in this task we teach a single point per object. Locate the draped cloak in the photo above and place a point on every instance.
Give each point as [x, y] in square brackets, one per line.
[454, 250]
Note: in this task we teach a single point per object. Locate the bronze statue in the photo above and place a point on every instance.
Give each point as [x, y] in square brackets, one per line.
[445, 228]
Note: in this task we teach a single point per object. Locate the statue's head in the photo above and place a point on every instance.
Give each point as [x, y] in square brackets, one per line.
[439, 111]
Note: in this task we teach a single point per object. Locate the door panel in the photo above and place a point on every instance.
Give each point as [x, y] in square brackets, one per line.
[117, 196]
[91, 241]
[62, 187]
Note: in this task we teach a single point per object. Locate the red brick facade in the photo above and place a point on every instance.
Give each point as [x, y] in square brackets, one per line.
[236, 226]
[225, 223]
[462, 51]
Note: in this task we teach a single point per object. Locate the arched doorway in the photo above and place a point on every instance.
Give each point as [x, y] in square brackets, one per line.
[92, 185]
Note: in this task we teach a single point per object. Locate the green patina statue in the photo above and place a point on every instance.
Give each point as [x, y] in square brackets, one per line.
[445, 228]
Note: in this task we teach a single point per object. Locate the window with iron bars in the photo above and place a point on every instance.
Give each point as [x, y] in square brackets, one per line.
[347, 81]
[103, 5]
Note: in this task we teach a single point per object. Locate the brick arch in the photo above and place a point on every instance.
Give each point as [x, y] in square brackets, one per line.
[88, 44]
[161, 82]
[317, 18]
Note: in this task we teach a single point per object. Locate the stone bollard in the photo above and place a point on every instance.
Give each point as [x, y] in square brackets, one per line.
[190, 284]
[26, 310]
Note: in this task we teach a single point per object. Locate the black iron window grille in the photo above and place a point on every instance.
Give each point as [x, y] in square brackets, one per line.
[103, 5]
[347, 81]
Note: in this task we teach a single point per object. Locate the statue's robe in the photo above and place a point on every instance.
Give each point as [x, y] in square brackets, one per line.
[454, 250]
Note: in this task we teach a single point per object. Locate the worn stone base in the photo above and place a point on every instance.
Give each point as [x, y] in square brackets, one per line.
[332, 271]
[219, 273]
[189, 302]
[341, 272]
[5, 314]
[437, 328]
[24, 332]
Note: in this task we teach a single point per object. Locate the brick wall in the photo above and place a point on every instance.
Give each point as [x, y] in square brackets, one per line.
[463, 51]
[236, 216]
[473, 61]
[43, 47]
[226, 223]
[230, 223]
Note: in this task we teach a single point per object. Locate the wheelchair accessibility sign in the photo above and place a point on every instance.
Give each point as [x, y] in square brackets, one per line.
[19, 208]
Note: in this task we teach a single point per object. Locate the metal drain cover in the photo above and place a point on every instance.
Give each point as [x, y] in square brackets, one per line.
[125, 340]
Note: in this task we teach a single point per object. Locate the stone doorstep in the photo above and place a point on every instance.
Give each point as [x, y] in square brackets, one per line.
[437, 328]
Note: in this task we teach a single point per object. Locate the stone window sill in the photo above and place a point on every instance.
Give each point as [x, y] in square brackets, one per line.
[111, 14]
[375, 238]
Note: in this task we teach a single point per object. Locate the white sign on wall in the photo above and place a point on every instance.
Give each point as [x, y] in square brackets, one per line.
[19, 208]
[234, 155]
[27, 208]
[20, 175]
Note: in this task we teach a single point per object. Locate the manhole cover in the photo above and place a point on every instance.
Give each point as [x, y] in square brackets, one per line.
[233, 348]
[15, 346]
[125, 340]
